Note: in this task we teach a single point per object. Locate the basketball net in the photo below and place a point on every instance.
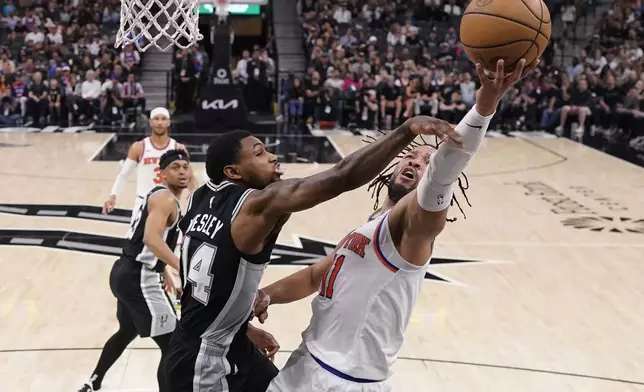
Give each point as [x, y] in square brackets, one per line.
[160, 23]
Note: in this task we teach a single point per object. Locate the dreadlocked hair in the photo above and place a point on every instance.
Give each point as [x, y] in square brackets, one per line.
[383, 178]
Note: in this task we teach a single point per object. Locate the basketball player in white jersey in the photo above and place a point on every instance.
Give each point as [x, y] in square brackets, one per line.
[369, 284]
[144, 157]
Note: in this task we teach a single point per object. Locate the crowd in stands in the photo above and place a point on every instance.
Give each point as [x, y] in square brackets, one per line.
[254, 72]
[58, 65]
[374, 63]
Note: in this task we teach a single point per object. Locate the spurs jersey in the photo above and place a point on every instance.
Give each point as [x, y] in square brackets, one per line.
[135, 249]
[220, 281]
[148, 173]
[364, 304]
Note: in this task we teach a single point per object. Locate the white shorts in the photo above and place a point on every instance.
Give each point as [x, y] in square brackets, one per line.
[303, 373]
[138, 204]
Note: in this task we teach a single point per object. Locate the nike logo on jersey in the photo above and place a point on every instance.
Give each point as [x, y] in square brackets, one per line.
[206, 224]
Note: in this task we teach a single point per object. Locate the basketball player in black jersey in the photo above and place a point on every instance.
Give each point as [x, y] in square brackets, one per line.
[230, 229]
[142, 306]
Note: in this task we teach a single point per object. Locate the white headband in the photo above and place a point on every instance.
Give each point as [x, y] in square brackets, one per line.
[160, 111]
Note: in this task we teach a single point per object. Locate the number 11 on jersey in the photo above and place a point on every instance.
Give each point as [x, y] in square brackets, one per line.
[329, 278]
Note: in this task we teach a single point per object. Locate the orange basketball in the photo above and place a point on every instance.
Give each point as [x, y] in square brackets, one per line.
[505, 29]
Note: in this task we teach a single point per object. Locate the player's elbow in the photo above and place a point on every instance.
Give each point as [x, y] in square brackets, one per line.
[148, 239]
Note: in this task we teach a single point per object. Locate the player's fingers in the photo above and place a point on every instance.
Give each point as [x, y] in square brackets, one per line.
[481, 73]
[518, 72]
[529, 68]
[449, 133]
[262, 316]
[273, 349]
[500, 70]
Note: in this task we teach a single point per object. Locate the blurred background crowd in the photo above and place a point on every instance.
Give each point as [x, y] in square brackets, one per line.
[58, 64]
[368, 64]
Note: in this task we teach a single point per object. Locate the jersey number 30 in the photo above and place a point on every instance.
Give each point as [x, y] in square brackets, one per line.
[329, 278]
[199, 274]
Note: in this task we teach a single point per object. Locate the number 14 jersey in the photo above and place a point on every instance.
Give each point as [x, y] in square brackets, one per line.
[220, 282]
[364, 304]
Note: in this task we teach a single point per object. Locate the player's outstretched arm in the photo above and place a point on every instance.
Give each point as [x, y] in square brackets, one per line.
[161, 210]
[420, 216]
[300, 284]
[132, 160]
[292, 288]
[264, 208]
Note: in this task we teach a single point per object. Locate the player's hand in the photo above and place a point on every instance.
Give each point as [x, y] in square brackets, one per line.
[425, 125]
[264, 341]
[171, 281]
[109, 204]
[260, 306]
[495, 84]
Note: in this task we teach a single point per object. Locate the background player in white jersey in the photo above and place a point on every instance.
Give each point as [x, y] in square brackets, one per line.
[144, 157]
[369, 284]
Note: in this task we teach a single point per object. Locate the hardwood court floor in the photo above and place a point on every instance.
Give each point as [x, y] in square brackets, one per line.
[541, 288]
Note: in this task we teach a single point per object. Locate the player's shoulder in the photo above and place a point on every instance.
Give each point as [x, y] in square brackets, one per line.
[161, 196]
[137, 147]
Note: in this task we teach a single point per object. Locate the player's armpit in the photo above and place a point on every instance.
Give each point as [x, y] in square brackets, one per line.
[414, 230]
[161, 210]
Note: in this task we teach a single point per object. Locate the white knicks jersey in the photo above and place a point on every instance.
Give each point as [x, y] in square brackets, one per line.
[148, 173]
[364, 304]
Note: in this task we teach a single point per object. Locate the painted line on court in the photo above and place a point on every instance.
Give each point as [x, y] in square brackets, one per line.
[543, 244]
[101, 147]
[432, 360]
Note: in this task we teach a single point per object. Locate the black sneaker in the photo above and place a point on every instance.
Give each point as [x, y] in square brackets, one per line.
[87, 388]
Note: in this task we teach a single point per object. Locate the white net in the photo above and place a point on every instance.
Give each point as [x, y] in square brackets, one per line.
[160, 23]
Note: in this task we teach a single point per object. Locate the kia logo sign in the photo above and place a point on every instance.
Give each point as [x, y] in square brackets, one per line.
[219, 104]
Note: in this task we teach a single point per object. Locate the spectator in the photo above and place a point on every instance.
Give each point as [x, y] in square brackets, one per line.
[342, 15]
[312, 89]
[130, 59]
[186, 81]
[73, 94]
[468, 89]
[90, 94]
[111, 103]
[54, 100]
[37, 103]
[242, 64]
[257, 70]
[580, 103]
[390, 103]
[133, 94]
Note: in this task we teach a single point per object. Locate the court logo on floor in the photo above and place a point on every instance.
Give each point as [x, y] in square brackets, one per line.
[304, 251]
[584, 208]
[610, 224]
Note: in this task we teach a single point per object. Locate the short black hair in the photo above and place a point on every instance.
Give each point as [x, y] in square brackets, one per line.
[223, 151]
[172, 155]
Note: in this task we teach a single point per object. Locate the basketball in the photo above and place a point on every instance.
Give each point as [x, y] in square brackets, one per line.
[492, 30]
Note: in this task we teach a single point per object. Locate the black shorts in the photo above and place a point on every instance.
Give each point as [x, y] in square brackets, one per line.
[141, 299]
[194, 365]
